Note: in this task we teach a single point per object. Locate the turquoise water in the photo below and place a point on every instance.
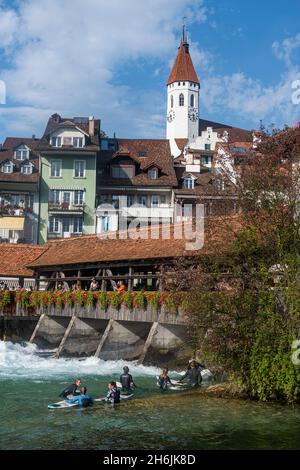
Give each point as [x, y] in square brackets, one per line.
[152, 420]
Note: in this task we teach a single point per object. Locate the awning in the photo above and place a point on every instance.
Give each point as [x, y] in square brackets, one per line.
[12, 223]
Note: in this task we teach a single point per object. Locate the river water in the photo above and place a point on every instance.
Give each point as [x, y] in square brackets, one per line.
[153, 420]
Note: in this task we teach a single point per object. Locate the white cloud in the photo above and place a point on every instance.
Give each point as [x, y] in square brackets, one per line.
[284, 50]
[249, 99]
[67, 56]
[8, 27]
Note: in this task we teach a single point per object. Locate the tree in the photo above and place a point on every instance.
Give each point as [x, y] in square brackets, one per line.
[243, 305]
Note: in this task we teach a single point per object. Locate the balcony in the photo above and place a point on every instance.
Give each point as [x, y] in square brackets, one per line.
[161, 212]
[60, 235]
[14, 210]
[64, 207]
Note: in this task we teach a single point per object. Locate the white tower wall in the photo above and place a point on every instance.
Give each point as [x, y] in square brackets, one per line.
[183, 121]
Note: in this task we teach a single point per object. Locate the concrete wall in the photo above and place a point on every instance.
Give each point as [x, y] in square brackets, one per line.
[167, 344]
[17, 329]
[125, 340]
[51, 332]
[81, 337]
[84, 337]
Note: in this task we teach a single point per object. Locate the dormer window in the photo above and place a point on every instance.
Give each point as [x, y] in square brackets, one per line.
[122, 171]
[22, 153]
[206, 160]
[153, 173]
[7, 167]
[26, 169]
[189, 182]
[142, 154]
[56, 141]
[220, 185]
[67, 140]
[78, 142]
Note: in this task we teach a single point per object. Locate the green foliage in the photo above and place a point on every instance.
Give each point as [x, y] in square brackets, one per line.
[4, 298]
[102, 300]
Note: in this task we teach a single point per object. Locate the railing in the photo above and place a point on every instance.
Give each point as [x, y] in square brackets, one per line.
[149, 212]
[64, 206]
[129, 306]
[15, 211]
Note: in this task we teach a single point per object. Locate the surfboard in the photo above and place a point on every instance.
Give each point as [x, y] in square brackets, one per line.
[205, 374]
[119, 385]
[60, 405]
[176, 384]
[63, 404]
[122, 397]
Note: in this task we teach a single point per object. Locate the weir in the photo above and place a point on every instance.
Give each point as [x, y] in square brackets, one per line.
[147, 335]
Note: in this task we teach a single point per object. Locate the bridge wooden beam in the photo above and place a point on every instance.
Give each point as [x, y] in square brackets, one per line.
[65, 337]
[152, 332]
[37, 327]
[104, 337]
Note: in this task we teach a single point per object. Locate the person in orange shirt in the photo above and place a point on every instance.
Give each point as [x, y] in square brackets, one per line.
[121, 287]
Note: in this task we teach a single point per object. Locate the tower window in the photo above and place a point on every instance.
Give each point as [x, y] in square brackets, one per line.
[172, 101]
[181, 99]
[7, 167]
[188, 182]
[183, 84]
[22, 152]
[152, 173]
[192, 101]
[178, 83]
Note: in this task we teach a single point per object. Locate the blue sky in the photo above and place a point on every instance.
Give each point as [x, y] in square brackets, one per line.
[112, 60]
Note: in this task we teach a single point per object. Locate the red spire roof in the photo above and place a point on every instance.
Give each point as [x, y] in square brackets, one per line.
[183, 69]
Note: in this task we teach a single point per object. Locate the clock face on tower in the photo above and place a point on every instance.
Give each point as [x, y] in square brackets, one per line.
[193, 114]
[171, 115]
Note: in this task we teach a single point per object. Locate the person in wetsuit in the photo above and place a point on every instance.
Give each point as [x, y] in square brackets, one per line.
[83, 399]
[198, 364]
[127, 381]
[72, 389]
[113, 395]
[193, 375]
[164, 380]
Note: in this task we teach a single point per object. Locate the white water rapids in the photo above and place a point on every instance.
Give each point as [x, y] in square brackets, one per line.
[25, 361]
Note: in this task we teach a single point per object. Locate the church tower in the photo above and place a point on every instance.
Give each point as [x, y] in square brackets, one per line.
[183, 96]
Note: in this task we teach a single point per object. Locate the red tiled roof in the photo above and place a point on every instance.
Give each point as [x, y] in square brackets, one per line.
[7, 152]
[94, 248]
[204, 184]
[183, 68]
[235, 134]
[14, 259]
[156, 152]
[56, 122]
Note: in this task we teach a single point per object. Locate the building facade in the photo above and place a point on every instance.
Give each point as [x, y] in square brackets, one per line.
[68, 155]
[135, 182]
[19, 190]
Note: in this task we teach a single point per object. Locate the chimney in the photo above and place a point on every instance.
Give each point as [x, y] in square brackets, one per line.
[91, 126]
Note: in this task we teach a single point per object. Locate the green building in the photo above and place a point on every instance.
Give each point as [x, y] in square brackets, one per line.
[68, 155]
